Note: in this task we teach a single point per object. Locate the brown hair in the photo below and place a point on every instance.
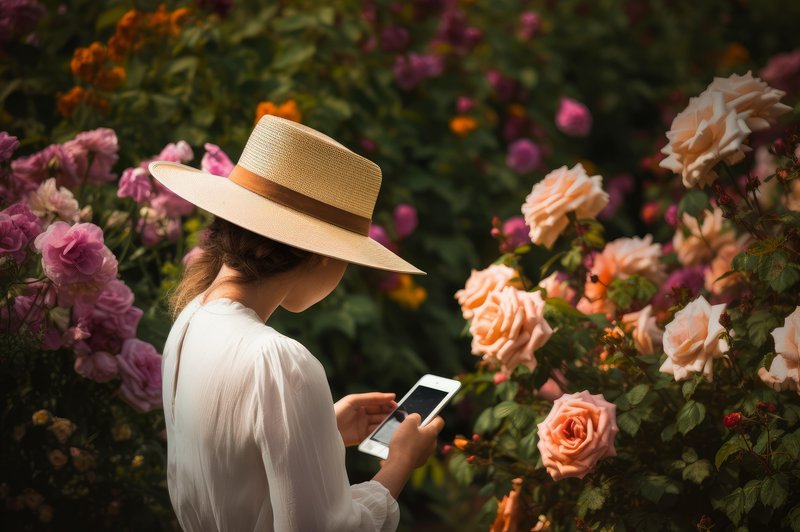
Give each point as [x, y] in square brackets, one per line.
[251, 255]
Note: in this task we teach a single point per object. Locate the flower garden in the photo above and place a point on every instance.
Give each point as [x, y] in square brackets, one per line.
[605, 196]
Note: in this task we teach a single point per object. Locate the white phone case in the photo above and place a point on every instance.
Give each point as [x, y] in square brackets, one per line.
[449, 386]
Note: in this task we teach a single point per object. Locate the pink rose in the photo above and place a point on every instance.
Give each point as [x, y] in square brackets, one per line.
[379, 235]
[53, 161]
[94, 153]
[692, 340]
[560, 192]
[705, 133]
[517, 232]
[111, 319]
[523, 156]
[695, 243]
[556, 286]
[783, 71]
[647, 335]
[215, 161]
[481, 283]
[405, 220]
[99, 366]
[8, 144]
[18, 227]
[170, 204]
[179, 152]
[76, 259]
[578, 432]
[758, 103]
[464, 104]
[784, 372]
[573, 118]
[50, 201]
[135, 183]
[140, 370]
[509, 327]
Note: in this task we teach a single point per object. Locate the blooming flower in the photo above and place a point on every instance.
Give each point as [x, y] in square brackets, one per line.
[691, 278]
[463, 125]
[394, 39]
[509, 512]
[573, 118]
[692, 340]
[758, 103]
[647, 335]
[407, 293]
[8, 144]
[111, 319]
[555, 286]
[19, 17]
[721, 264]
[412, 69]
[381, 236]
[517, 232]
[215, 161]
[99, 366]
[405, 220]
[702, 135]
[50, 201]
[94, 153]
[560, 192]
[53, 161]
[287, 110]
[18, 227]
[530, 23]
[783, 71]
[135, 183]
[509, 327]
[578, 432]
[784, 372]
[481, 283]
[697, 243]
[523, 156]
[140, 370]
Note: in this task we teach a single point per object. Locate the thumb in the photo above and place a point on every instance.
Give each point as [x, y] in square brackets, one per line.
[434, 427]
[413, 419]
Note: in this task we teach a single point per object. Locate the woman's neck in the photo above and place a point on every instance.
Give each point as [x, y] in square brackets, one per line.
[263, 296]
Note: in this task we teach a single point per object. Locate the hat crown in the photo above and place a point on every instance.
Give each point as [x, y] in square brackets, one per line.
[313, 164]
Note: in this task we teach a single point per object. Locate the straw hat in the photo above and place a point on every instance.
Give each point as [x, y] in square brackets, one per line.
[295, 185]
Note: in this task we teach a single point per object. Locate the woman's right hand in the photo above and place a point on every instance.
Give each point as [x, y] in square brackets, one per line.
[412, 444]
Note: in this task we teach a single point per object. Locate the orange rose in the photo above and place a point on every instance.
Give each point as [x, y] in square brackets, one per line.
[110, 79]
[481, 283]
[508, 510]
[463, 125]
[287, 110]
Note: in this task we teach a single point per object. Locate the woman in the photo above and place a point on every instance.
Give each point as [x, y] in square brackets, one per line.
[254, 439]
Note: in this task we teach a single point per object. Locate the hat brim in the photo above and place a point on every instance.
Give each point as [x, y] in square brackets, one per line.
[234, 203]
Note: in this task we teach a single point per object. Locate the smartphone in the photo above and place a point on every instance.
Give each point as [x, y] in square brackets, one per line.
[426, 398]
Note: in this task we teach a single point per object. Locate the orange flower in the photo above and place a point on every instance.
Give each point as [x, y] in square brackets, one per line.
[508, 510]
[735, 54]
[159, 21]
[177, 19]
[86, 61]
[287, 110]
[408, 294]
[463, 125]
[125, 37]
[460, 443]
[110, 79]
[516, 109]
[67, 103]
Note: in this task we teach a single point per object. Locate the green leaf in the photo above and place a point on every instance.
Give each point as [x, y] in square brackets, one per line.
[728, 449]
[462, 471]
[691, 385]
[745, 263]
[669, 432]
[759, 325]
[790, 444]
[637, 394]
[486, 422]
[505, 409]
[653, 487]
[690, 415]
[740, 501]
[793, 519]
[764, 247]
[294, 53]
[774, 490]
[629, 422]
[591, 498]
[693, 203]
[698, 471]
[559, 307]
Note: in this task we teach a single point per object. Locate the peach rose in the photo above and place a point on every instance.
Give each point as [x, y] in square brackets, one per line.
[692, 342]
[619, 260]
[758, 103]
[509, 327]
[722, 265]
[480, 283]
[50, 202]
[647, 335]
[578, 432]
[696, 244]
[702, 135]
[560, 192]
[554, 287]
[508, 511]
[784, 372]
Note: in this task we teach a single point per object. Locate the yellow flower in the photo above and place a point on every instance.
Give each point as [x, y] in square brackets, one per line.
[463, 125]
[62, 428]
[408, 294]
[40, 417]
[137, 461]
[287, 110]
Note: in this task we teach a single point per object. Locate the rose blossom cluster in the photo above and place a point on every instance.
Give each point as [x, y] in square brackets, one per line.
[715, 126]
[693, 340]
[79, 304]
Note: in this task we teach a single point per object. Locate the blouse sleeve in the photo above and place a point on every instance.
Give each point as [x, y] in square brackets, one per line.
[303, 452]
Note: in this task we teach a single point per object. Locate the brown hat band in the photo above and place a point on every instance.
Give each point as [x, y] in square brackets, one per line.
[299, 202]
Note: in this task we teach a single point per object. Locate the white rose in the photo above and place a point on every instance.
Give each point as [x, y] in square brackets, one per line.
[757, 102]
[702, 135]
[560, 192]
[784, 372]
[691, 340]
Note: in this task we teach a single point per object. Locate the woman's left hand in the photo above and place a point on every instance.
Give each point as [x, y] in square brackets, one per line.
[357, 415]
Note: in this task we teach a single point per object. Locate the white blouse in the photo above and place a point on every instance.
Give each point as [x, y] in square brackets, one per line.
[252, 442]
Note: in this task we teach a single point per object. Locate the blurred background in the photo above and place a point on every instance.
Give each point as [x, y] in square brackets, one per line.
[463, 104]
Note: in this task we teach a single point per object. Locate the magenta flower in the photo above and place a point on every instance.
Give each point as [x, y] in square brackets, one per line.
[76, 259]
[405, 220]
[394, 39]
[573, 118]
[53, 161]
[99, 366]
[505, 88]
[8, 143]
[523, 156]
[529, 25]
[517, 232]
[379, 234]
[111, 319]
[409, 71]
[783, 72]
[179, 152]
[140, 369]
[18, 227]
[215, 161]
[94, 153]
[692, 278]
[464, 104]
[671, 215]
[135, 183]
[618, 187]
[19, 17]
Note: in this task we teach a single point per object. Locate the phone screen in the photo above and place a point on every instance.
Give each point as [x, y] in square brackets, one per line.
[422, 401]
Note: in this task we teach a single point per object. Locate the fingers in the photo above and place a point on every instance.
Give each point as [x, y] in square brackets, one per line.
[434, 427]
[379, 399]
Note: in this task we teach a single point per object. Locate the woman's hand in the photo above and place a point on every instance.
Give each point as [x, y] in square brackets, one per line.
[357, 415]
